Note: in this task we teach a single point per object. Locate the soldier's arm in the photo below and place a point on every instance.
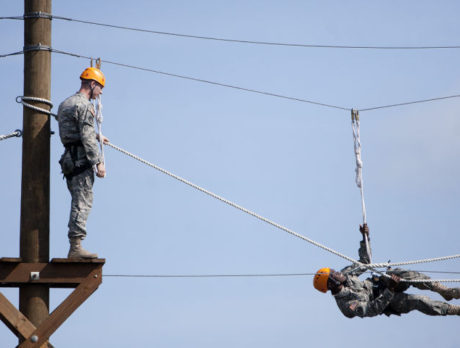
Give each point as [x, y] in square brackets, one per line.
[364, 256]
[363, 252]
[88, 134]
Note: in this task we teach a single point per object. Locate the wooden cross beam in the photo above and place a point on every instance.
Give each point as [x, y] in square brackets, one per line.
[83, 275]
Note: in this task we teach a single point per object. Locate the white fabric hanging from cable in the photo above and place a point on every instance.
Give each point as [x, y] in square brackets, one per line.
[99, 119]
[359, 168]
[359, 163]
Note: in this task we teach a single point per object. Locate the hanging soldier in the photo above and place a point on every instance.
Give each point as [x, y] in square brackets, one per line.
[81, 156]
[382, 295]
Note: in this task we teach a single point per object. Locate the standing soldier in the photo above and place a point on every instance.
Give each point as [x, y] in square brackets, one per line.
[381, 295]
[76, 129]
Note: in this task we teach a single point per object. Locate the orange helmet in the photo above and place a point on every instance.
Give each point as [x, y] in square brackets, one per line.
[93, 74]
[320, 279]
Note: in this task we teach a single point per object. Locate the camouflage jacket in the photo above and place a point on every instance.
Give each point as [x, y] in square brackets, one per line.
[358, 298]
[76, 124]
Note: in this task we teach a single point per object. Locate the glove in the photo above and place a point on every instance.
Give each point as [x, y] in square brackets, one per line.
[393, 282]
[364, 229]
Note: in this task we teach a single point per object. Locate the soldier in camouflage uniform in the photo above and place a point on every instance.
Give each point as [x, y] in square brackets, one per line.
[76, 129]
[382, 295]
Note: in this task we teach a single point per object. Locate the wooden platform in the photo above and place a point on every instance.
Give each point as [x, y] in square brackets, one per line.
[85, 275]
[58, 273]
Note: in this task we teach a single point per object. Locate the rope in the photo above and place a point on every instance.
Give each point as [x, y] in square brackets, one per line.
[414, 262]
[255, 276]
[22, 99]
[16, 133]
[232, 204]
[283, 228]
[238, 275]
[359, 171]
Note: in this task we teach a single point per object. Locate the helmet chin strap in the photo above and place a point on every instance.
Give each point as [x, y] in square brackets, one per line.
[92, 92]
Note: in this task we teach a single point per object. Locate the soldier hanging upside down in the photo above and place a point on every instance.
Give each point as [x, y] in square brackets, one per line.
[382, 295]
[77, 132]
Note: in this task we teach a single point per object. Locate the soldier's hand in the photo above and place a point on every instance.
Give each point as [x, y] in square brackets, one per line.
[393, 282]
[100, 170]
[364, 229]
[105, 140]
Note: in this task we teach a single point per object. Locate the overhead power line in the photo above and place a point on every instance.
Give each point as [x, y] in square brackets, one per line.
[242, 41]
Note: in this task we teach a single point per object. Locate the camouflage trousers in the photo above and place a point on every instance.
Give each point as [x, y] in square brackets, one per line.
[81, 189]
[404, 303]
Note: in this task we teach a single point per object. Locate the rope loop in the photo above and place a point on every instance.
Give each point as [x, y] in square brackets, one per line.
[22, 100]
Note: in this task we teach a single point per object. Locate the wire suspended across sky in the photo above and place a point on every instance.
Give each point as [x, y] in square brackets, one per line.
[235, 275]
[252, 42]
[44, 48]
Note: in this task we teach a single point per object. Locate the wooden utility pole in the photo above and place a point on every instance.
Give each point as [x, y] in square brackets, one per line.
[33, 273]
[35, 201]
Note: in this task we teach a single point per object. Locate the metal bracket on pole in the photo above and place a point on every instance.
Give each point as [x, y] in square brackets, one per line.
[38, 47]
[38, 14]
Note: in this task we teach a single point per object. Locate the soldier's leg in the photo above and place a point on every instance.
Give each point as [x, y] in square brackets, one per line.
[444, 291]
[404, 303]
[81, 189]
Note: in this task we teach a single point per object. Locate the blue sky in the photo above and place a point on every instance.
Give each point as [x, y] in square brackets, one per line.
[289, 161]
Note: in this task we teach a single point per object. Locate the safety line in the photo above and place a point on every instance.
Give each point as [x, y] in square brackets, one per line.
[283, 228]
[16, 133]
[11, 54]
[409, 103]
[237, 275]
[256, 276]
[256, 91]
[251, 42]
[243, 88]
[228, 202]
[414, 262]
[207, 81]
[13, 17]
[209, 275]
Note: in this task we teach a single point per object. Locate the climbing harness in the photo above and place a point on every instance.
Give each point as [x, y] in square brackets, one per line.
[359, 171]
[285, 229]
[16, 133]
